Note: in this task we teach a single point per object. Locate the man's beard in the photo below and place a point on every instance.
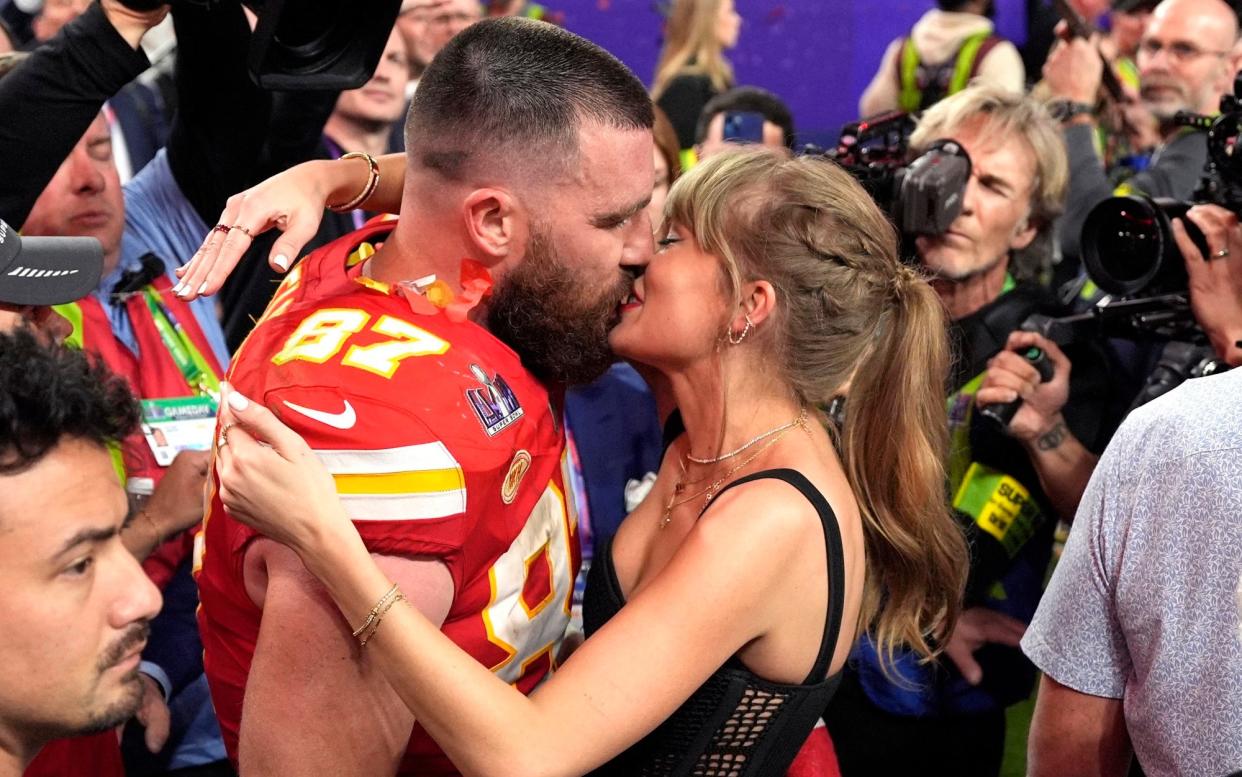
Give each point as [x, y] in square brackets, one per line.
[123, 708]
[541, 311]
[1165, 108]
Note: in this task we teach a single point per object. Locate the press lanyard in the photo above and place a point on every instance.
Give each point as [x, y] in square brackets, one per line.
[193, 367]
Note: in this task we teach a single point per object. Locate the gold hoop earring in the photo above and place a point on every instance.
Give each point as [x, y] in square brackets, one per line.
[741, 337]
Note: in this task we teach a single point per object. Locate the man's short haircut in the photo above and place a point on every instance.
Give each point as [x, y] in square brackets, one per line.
[49, 392]
[512, 91]
[748, 99]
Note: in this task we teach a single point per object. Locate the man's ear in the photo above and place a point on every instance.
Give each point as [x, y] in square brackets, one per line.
[495, 223]
[1024, 234]
[1233, 63]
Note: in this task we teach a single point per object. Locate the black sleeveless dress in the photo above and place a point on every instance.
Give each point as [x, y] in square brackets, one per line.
[736, 724]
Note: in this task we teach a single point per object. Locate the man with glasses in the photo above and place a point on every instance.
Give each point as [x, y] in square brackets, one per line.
[1186, 59]
[427, 25]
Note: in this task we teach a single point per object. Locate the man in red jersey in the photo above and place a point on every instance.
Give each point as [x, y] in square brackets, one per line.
[529, 171]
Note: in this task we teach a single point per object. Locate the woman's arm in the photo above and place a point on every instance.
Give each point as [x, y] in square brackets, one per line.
[616, 688]
[222, 116]
[51, 98]
[293, 202]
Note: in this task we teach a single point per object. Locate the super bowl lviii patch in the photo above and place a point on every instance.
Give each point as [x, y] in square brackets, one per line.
[494, 403]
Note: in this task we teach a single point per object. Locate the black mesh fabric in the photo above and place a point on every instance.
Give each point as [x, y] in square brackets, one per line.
[736, 724]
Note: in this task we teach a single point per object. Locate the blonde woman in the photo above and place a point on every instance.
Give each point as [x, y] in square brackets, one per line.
[720, 616]
[692, 68]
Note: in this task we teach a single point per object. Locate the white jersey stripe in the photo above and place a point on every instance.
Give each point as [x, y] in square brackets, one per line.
[411, 458]
[405, 507]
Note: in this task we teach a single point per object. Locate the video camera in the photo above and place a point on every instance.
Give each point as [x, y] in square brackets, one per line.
[309, 44]
[922, 196]
[1127, 242]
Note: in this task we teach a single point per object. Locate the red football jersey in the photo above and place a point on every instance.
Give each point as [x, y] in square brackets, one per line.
[440, 443]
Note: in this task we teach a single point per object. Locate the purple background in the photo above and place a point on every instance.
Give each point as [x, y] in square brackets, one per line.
[818, 55]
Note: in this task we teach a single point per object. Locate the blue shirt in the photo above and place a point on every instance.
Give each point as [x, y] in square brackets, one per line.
[159, 220]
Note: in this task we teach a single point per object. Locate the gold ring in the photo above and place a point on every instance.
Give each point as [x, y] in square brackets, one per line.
[224, 434]
[1222, 253]
[221, 228]
[242, 230]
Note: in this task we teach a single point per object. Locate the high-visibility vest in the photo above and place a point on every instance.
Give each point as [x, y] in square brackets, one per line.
[922, 85]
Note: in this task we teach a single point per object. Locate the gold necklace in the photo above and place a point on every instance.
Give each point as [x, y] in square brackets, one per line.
[710, 492]
[796, 422]
[682, 481]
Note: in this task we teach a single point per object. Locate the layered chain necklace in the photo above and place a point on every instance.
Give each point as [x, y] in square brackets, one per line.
[801, 419]
[773, 436]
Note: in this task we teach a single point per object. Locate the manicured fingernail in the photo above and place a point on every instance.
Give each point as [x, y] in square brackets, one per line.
[177, 289]
[281, 261]
[203, 289]
[237, 402]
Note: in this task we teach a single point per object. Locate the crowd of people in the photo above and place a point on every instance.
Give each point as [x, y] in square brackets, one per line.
[509, 415]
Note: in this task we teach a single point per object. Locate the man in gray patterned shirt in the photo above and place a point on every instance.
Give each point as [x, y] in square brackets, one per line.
[1137, 633]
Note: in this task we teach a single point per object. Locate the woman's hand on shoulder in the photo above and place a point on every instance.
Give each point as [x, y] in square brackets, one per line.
[272, 481]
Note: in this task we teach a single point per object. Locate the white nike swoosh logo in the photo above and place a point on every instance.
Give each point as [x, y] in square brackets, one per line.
[342, 420]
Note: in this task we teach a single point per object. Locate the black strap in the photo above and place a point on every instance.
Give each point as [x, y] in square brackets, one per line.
[982, 335]
[836, 560]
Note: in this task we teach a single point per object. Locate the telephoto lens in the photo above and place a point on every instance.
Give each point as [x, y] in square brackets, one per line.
[1128, 246]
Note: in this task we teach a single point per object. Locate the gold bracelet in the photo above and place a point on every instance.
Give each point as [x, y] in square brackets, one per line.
[367, 191]
[155, 529]
[363, 642]
[391, 593]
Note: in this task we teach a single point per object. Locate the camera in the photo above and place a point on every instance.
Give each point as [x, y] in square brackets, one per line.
[1127, 242]
[309, 44]
[922, 196]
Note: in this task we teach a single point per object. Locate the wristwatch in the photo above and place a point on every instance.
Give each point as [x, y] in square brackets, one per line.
[1064, 110]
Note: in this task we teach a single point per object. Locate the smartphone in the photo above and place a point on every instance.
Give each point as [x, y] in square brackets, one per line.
[743, 127]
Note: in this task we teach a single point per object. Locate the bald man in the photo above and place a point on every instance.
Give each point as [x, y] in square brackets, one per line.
[1187, 59]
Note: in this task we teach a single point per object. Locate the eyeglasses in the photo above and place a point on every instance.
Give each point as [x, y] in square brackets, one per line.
[449, 19]
[1179, 52]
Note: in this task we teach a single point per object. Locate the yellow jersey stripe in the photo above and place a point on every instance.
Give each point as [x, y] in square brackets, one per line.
[419, 482]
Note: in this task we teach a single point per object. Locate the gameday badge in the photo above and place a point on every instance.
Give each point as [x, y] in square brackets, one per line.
[517, 471]
[174, 425]
[495, 404]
